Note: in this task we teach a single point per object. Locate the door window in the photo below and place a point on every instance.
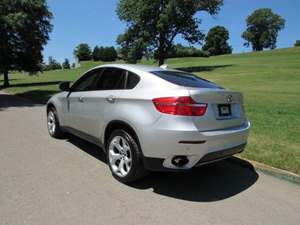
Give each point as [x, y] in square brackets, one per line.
[87, 82]
[112, 79]
[132, 80]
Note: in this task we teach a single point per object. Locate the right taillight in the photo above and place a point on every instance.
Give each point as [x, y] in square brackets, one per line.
[183, 106]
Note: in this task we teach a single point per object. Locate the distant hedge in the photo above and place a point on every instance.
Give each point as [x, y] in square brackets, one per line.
[179, 51]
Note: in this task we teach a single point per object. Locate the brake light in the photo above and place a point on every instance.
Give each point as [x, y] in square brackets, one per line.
[183, 106]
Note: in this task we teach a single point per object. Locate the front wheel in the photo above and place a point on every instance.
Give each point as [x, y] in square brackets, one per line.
[53, 124]
[124, 157]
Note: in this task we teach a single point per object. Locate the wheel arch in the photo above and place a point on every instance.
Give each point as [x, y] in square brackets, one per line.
[118, 124]
[49, 106]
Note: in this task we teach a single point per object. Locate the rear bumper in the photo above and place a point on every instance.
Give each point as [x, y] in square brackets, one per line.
[156, 164]
[206, 147]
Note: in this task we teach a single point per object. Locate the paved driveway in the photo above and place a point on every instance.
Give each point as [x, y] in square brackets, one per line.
[48, 181]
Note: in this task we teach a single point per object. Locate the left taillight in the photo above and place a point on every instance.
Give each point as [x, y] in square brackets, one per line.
[183, 106]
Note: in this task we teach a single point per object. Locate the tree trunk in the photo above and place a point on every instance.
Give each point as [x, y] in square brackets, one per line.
[6, 81]
[161, 60]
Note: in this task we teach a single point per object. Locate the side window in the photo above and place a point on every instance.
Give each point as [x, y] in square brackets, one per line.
[87, 82]
[132, 80]
[112, 79]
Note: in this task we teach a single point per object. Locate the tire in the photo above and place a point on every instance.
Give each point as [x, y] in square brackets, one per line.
[124, 157]
[53, 126]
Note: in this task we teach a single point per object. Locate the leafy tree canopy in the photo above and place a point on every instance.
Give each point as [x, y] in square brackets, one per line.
[153, 25]
[216, 41]
[107, 54]
[83, 52]
[262, 29]
[24, 30]
[52, 64]
[297, 43]
[66, 64]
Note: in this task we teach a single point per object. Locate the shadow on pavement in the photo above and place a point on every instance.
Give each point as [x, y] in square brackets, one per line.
[34, 84]
[208, 183]
[87, 147]
[7, 101]
[25, 99]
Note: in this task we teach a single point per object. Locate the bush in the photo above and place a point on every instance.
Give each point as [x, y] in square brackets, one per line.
[179, 51]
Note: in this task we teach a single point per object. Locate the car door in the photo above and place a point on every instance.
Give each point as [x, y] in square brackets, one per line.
[100, 103]
[76, 98]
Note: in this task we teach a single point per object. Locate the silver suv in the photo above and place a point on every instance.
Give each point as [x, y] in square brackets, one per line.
[150, 118]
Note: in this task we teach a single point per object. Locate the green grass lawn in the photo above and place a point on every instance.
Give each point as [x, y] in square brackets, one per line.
[270, 82]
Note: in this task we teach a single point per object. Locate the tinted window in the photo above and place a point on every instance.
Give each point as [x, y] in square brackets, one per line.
[88, 81]
[111, 79]
[185, 79]
[132, 80]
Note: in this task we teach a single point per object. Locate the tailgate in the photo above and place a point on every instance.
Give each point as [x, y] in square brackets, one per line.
[225, 108]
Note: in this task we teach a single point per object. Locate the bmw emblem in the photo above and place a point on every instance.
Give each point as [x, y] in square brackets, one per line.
[229, 98]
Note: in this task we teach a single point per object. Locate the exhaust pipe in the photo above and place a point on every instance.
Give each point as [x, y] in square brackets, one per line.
[180, 161]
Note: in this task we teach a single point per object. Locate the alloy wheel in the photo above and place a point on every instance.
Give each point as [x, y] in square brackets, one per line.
[120, 157]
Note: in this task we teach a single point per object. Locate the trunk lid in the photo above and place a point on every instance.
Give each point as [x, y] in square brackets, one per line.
[225, 108]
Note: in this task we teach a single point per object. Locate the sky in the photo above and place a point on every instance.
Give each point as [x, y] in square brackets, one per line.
[95, 22]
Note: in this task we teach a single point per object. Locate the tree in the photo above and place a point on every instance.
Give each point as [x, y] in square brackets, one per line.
[66, 64]
[153, 25]
[104, 54]
[52, 64]
[73, 65]
[297, 43]
[83, 52]
[216, 41]
[24, 30]
[109, 54]
[95, 54]
[262, 29]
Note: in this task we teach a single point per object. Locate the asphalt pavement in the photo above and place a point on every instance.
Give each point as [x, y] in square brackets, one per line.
[48, 181]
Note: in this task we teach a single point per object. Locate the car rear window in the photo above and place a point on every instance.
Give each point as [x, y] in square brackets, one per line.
[185, 79]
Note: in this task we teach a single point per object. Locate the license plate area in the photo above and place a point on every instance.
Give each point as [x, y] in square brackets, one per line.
[224, 110]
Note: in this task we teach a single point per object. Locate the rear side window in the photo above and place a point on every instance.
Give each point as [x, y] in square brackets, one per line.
[132, 80]
[185, 79]
[112, 79]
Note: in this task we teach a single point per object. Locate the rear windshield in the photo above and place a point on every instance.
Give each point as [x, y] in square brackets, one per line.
[185, 79]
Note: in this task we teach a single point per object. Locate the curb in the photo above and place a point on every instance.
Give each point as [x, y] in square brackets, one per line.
[269, 170]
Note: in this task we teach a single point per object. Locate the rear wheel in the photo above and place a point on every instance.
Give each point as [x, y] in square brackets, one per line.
[124, 157]
[53, 124]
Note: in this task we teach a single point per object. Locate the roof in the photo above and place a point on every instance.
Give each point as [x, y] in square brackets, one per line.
[144, 68]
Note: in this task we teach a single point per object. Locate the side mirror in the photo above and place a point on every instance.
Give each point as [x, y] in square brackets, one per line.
[64, 86]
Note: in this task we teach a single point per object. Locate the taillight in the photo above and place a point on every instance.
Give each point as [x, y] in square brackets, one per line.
[183, 106]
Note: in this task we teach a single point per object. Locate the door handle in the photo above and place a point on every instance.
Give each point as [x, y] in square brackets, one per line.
[81, 99]
[111, 99]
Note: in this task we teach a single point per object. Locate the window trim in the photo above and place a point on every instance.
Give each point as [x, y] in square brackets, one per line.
[85, 76]
[106, 68]
[126, 84]
[103, 69]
